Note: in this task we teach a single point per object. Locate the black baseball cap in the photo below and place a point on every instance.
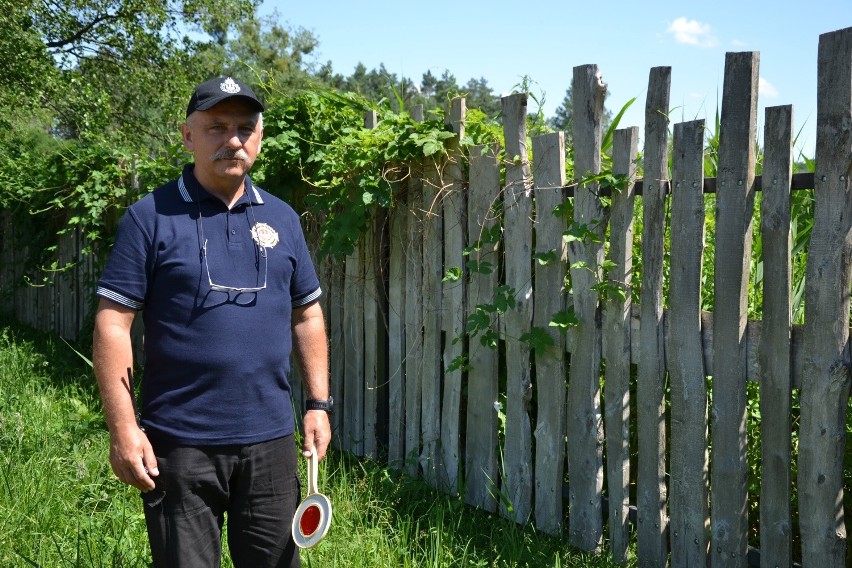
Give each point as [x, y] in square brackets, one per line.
[212, 92]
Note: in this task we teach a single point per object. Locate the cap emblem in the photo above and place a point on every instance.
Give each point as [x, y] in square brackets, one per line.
[229, 86]
[264, 235]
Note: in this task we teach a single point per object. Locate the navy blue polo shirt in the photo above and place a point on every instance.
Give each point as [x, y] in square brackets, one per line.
[217, 361]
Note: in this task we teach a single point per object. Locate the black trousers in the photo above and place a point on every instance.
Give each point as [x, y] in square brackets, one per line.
[255, 487]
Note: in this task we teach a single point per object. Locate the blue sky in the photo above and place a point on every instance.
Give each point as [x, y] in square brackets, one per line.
[503, 42]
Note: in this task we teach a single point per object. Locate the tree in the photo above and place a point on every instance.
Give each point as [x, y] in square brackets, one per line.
[265, 51]
[435, 92]
[114, 68]
[479, 95]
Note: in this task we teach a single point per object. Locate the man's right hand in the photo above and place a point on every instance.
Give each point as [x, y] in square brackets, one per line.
[132, 458]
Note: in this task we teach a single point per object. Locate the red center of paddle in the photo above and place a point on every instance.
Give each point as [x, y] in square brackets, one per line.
[309, 523]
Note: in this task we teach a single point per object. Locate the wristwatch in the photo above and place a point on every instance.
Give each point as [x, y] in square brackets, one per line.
[314, 404]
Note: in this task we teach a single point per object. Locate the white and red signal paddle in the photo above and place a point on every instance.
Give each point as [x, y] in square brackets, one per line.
[313, 517]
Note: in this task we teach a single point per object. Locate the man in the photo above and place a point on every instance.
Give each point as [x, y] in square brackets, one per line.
[223, 274]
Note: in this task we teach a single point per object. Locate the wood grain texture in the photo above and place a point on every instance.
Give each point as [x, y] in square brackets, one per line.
[825, 375]
[688, 506]
[517, 212]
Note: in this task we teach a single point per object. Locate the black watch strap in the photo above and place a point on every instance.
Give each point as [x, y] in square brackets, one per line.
[314, 404]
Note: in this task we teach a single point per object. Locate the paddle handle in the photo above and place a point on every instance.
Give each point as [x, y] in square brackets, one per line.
[313, 467]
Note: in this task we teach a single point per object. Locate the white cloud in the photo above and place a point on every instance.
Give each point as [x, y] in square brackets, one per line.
[766, 89]
[692, 32]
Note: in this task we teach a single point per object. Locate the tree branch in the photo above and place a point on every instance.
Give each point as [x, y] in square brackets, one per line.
[59, 43]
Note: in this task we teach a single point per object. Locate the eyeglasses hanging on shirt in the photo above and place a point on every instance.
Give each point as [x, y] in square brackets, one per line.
[221, 287]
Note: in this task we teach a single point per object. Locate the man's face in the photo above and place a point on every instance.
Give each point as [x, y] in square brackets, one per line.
[224, 139]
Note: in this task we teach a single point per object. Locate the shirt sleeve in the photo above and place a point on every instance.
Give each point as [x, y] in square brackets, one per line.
[125, 278]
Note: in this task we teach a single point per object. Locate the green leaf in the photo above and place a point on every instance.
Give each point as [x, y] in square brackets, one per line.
[504, 298]
[453, 274]
[483, 267]
[460, 363]
[564, 319]
[545, 258]
[538, 339]
[478, 321]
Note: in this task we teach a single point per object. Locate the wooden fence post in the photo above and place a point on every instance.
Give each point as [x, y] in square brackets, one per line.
[585, 457]
[825, 377]
[549, 178]
[397, 361]
[353, 338]
[517, 212]
[371, 324]
[455, 227]
[734, 221]
[774, 353]
[651, 377]
[414, 313]
[335, 279]
[684, 353]
[616, 340]
[481, 472]
[432, 374]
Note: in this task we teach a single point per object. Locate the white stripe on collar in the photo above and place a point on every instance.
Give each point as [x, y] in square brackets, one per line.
[188, 199]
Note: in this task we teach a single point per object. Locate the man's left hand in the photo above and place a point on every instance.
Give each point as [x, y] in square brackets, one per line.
[317, 433]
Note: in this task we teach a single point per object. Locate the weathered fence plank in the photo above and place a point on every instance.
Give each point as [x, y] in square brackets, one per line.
[481, 472]
[549, 176]
[371, 323]
[685, 361]
[414, 312]
[774, 353]
[616, 341]
[371, 337]
[651, 375]
[397, 364]
[430, 425]
[825, 379]
[414, 324]
[454, 292]
[517, 242]
[336, 346]
[585, 445]
[353, 338]
[734, 220]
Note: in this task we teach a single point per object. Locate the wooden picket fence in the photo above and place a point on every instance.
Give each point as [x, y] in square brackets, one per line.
[395, 321]
[61, 300]
[509, 428]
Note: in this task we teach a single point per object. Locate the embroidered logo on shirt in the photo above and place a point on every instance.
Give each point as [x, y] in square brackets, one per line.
[229, 86]
[264, 235]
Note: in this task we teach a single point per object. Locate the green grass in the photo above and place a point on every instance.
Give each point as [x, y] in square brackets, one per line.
[61, 506]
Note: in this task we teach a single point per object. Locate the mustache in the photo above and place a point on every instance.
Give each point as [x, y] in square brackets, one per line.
[238, 154]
